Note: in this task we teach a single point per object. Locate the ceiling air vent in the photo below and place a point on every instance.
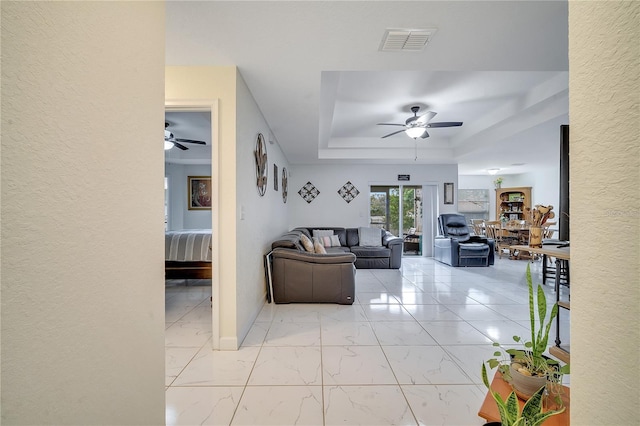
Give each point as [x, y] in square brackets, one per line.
[398, 40]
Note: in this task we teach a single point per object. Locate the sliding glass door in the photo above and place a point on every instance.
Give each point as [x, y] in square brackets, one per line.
[398, 209]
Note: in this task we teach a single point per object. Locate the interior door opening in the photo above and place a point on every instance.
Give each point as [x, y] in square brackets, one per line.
[180, 211]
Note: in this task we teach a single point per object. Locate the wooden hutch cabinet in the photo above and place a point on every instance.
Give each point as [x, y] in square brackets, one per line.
[512, 202]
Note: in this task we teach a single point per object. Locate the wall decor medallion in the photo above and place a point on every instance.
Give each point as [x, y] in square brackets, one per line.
[348, 192]
[309, 192]
[275, 177]
[260, 155]
[285, 185]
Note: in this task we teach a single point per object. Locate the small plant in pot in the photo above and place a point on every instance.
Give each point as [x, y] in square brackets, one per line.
[529, 370]
[531, 414]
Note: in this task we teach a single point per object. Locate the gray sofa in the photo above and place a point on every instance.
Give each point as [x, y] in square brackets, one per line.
[388, 255]
[304, 277]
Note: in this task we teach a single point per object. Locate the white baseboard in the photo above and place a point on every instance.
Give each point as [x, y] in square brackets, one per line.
[228, 344]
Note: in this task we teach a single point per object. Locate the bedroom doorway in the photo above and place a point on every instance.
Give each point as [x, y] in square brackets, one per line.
[192, 121]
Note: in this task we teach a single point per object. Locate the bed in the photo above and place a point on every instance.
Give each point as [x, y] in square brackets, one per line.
[188, 254]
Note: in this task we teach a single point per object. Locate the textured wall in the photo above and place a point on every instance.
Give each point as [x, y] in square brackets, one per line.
[82, 213]
[605, 211]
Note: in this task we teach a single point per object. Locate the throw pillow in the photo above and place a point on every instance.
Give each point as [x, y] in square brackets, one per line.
[317, 233]
[370, 237]
[332, 241]
[318, 247]
[307, 243]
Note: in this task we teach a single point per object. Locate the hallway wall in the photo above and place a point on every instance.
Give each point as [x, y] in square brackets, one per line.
[82, 213]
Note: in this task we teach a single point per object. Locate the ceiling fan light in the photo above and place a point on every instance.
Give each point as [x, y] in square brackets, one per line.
[415, 132]
[167, 145]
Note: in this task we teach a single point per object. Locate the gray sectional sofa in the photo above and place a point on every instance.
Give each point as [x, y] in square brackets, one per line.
[303, 277]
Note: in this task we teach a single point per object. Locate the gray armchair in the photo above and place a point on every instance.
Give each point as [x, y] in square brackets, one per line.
[455, 245]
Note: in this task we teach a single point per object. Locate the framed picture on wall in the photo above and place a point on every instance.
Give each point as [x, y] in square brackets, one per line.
[199, 190]
[448, 192]
[275, 177]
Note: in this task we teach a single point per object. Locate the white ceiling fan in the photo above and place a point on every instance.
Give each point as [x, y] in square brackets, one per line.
[170, 141]
[416, 127]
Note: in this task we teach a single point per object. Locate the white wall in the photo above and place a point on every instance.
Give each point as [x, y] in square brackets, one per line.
[243, 242]
[604, 82]
[261, 219]
[329, 209]
[180, 217]
[544, 183]
[82, 213]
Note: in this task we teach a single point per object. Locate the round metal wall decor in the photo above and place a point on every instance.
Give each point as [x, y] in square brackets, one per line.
[285, 184]
[260, 155]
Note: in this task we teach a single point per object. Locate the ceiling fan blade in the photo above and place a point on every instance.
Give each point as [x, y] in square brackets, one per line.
[425, 134]
[445, 124]
[390, 124]
[190, 141]
[391, 134]
[182, 147]
[424, 118]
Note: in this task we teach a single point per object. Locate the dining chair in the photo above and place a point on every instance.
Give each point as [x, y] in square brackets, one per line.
[495, 231]
[478, 226]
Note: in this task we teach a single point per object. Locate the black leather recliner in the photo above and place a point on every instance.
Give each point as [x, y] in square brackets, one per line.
[455, 246]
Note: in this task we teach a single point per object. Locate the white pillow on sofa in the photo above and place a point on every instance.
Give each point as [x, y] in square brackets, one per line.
[322, 233]
[318, 247]
[326, 237]
[370, 237]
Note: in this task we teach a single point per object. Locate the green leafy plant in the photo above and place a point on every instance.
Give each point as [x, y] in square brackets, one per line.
[531, 361]
[532, 413]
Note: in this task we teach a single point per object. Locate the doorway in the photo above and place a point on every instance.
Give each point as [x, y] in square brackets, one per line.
[176, 210]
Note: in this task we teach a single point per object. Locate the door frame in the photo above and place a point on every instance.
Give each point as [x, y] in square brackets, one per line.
[209, 105]
[430, 210]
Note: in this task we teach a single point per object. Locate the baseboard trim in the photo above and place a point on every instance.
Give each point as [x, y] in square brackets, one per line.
[228, 344]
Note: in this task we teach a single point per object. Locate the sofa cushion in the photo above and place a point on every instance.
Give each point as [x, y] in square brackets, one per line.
[318, 247]
[361, 251]
[332, 241]
[370, 237]
[307, 243]
[317, 233]
[352, 237]
[337, 250]
[473, 249]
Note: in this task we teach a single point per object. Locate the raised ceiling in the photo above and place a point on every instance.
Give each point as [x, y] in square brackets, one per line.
[316, 71]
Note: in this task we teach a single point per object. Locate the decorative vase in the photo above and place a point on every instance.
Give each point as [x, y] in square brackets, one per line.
[535, 236]
[525, 386]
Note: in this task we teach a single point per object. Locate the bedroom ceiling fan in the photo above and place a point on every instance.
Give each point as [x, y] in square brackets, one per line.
[170, 141]
[416, 127]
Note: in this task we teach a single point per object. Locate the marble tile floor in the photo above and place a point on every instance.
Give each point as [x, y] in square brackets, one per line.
[408, 352]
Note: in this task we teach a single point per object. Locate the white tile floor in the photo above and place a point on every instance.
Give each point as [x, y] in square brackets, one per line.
[408, 352]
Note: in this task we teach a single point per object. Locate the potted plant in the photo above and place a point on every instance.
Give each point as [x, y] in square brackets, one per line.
[528, 370]
[531, 414]
[498, 182]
